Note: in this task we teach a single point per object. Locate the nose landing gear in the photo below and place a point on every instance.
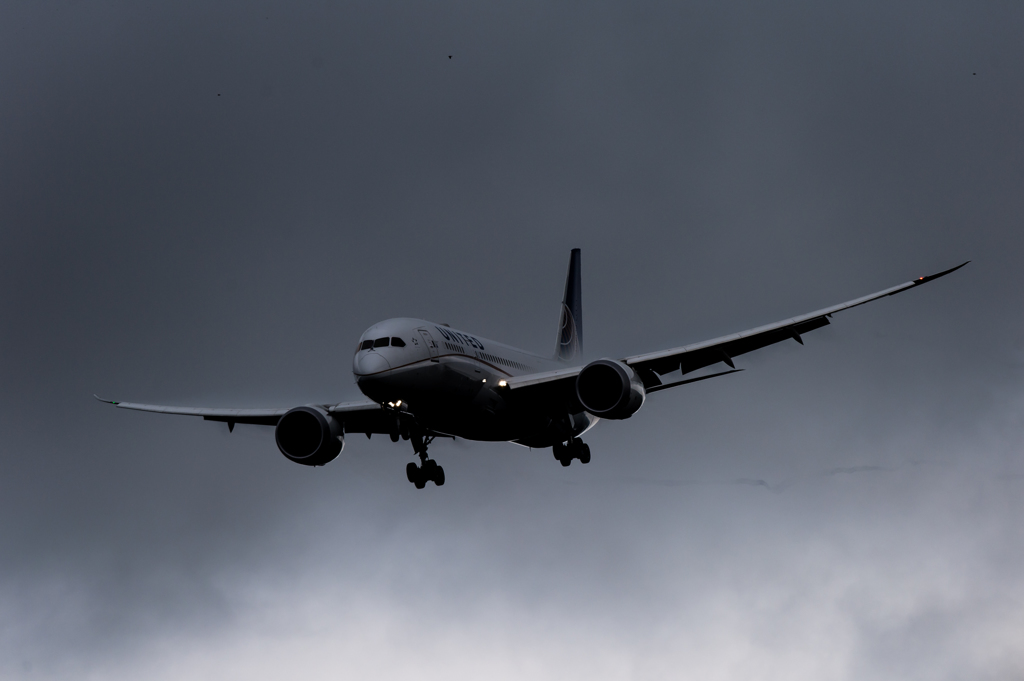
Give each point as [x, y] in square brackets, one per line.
[428, 470]
[573, 449]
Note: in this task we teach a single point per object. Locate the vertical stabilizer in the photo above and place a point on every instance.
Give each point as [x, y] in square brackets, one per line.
[570, 326]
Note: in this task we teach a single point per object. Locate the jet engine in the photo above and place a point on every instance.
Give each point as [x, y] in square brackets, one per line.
[308, 435]
[610, 389]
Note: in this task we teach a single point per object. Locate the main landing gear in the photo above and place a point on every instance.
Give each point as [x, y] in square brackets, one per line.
[573, 449]
[428, 470]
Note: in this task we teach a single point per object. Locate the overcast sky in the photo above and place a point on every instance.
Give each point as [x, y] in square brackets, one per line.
[207, 203]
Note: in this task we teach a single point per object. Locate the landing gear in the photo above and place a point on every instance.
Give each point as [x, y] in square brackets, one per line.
[573, 449]
[421, 475]
[428, 470]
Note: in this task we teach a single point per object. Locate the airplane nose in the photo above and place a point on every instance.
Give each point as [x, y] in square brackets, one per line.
[366, 363]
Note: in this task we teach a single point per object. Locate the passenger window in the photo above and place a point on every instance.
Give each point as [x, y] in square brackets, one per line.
[381, 342]
[367, 344]
[397, 343]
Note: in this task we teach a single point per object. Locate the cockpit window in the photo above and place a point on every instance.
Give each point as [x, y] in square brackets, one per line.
[367, 344]
[381, 342]
[397, 342]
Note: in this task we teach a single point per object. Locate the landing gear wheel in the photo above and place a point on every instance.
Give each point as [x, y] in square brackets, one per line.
[416, 475]
[428, 472]
[565, 452]
[433, 472]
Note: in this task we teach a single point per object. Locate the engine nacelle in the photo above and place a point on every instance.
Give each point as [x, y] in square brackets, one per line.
[610, 389]
[308, 435]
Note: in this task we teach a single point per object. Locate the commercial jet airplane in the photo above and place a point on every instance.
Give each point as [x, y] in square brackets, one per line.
[425, 380]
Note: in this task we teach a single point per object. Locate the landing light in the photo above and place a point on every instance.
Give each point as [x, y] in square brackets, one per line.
[502, 384]
[485, 380]
[398, 403]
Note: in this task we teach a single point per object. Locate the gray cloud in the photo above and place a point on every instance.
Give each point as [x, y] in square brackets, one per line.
[207, 205]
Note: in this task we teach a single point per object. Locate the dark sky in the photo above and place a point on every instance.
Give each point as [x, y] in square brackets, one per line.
[207, 203]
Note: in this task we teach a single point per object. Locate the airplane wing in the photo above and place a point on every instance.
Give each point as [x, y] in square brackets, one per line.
[363, 416]
[559, 385]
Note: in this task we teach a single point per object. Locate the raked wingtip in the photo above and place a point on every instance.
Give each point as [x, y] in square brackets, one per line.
[930, 277]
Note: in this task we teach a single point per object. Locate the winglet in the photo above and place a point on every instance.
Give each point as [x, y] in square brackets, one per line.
[925, 280]
[113, 402]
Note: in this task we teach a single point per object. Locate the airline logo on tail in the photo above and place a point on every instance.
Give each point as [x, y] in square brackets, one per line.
[568, 337]
[570, 325]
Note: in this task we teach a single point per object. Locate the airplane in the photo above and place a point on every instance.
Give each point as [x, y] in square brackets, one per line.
[425, 380]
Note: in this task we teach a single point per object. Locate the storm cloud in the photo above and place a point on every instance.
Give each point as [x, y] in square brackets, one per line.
[206, 204]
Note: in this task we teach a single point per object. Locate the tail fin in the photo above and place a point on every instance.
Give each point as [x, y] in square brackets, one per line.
[570, 326]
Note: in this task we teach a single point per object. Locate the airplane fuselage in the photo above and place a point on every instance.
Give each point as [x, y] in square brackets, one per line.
[453, 381]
